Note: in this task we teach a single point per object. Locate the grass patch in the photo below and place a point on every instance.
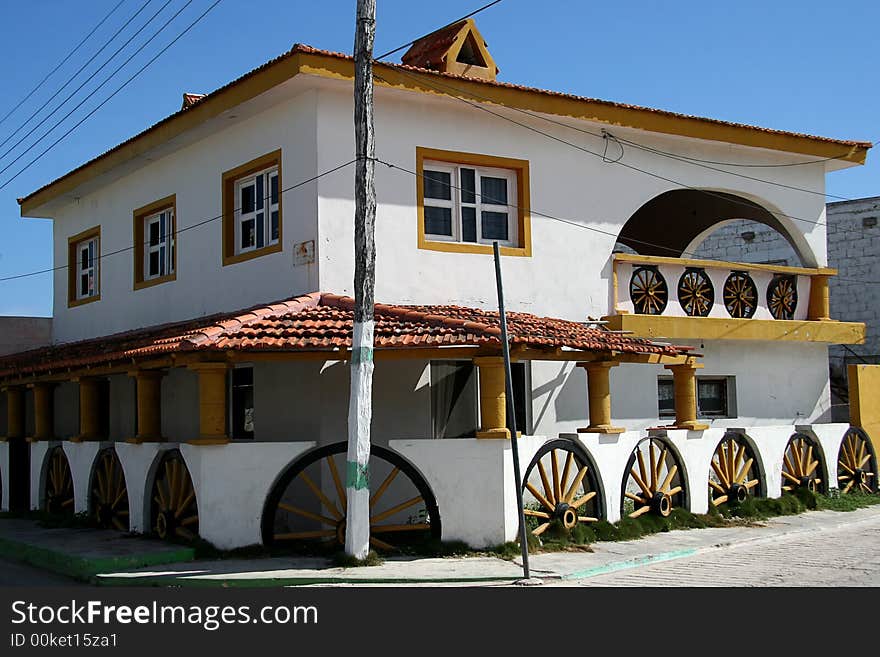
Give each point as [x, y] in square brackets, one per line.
[343, 560]
[849, 502]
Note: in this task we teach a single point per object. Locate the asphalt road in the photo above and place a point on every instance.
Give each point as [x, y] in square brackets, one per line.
[13, 573]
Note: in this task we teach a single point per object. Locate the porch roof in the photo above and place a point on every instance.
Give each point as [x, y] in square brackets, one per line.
[323, 322]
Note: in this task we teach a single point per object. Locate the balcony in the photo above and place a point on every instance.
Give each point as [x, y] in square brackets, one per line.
[657, 297]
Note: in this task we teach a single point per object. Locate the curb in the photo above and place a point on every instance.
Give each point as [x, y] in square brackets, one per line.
[83, 568]
[274, 582]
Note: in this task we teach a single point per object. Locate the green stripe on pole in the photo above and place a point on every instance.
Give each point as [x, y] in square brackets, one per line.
[362, 355]
[357, 475]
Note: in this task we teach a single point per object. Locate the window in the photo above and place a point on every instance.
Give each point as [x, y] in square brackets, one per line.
[252, 209]
[466, 202]
[455, 394]
[84, 267]
[715, 396]
[155, 243]
[242, 406]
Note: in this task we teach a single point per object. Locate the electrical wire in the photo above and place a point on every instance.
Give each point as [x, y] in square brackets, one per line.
[120, 88]
[62, 62]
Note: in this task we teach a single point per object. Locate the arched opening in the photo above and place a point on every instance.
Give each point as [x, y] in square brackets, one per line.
[713, 225]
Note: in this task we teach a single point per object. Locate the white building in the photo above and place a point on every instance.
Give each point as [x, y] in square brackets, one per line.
[245, 197]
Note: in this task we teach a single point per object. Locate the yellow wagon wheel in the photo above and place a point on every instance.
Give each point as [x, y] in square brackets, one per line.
[740, 295]
[801, 465]
[306, 510]
[695, 292]
[782, 297]
[733, 474]
[175, 512]
[648, 291]
[59, 484]
[563, 487]
[109, 495]
[856, 463]
[652, 480]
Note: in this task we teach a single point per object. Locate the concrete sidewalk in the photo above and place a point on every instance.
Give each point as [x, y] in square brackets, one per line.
[464, 571]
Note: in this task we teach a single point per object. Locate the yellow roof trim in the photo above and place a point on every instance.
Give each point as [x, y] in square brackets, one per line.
[303, 59]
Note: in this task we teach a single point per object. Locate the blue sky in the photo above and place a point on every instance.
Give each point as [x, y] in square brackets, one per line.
[805, 66]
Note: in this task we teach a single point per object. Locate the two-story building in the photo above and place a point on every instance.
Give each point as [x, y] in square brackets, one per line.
[197, 382]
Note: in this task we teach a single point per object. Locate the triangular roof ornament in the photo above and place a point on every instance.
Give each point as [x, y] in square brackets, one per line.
[459, 49]
[190, 99]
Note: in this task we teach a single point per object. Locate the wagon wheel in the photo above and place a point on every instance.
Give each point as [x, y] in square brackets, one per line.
[799, 467]
[59, 484]
[695, 293]
[740, 295]
[109, 499]
[734, 472]
[175, 512]
[857, 463]
[653, 481]
[782, 297]
[648, 291]
[307, 508]
[569, 494]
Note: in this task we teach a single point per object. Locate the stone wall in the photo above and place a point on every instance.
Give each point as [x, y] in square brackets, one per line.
[23, 333]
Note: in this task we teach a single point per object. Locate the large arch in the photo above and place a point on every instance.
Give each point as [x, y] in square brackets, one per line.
[673, 223]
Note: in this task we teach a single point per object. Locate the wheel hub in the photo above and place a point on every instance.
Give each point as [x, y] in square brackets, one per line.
[738, 493]
[809, 483]
[661, 504]
[165, 523]
[566, 515]
[860, 476]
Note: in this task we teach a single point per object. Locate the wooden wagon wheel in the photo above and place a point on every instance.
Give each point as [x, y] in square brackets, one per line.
[856, 463]
[695, 293]
[782, 297]
[109, 495]
[306, 509]
[653, 480]
[59, 484]
[175, 512]
[740, 295]
[801, 467]
[648, 291]
[569, 493]
[734, 472]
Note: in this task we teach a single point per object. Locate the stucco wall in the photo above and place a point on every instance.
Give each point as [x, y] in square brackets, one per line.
[24, 333]
[67, 409]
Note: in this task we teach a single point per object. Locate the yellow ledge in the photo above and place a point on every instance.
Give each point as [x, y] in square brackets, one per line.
[717, 328]
[721, 264]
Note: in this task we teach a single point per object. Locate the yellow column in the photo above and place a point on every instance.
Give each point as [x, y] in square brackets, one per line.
[599, 397]
[820, 302]
[14, 412]
[44, 412]
[149, 406]
[212, 403]
[89, 410]
[684, 382]
[493, 398]
[864, 391]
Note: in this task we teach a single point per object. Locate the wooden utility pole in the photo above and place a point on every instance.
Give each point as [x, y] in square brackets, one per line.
[360, 405]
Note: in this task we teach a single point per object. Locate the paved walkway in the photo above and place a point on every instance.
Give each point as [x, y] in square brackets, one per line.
[688, 557]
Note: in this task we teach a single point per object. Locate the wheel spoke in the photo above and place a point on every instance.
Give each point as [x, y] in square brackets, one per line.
[674, 491]
[641, 483]
[550, 501]
[751, 483]
[306, 514]
[563, 485]
[185, 504]
[570, 493]
[669, 476]
[543, 500]
[540, 529]
[586, 498]
[340, 491]
[744, 470]
[654, 464]
[396, 509]
[638, 512]
[642, 470]
[293, 536]
[721, 499]
[118, 524]
[716, 487]
[791, 478]
[384, 486]
[382, 545]
[554, 468]
[720, 474]
[635, 498]
[536, 514]
[587, 519]
[320, 495]
[848, 486]
[381, 529]
[186, 522]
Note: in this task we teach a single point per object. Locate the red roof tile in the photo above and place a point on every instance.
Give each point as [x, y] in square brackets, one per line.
[324, 322]
[428, 51]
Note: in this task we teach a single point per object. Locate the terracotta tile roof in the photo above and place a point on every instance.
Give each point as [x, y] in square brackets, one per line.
[324, 322]
[305, 49]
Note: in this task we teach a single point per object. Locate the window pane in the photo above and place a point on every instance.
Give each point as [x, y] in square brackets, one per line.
[260, 230]
[666, 397]
[273, 184]
[84, 285]
[712, 397]
[453, 399]
[163, 226]
[494, 190]
[522, 396]
[468, 224]
[438, 221]
[468, 186]
[438, 185]
[161, 261]
[84, 258]
[260, 193]
[494, 226]
[154, 233]
[247, 199]
[248, 235]
[273, 229]
[153, 265]
[243, 403]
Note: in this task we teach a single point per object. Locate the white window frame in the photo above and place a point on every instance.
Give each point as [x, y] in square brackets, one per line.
[168, 244]
[88, 266]
[268, 208]
[455, 203]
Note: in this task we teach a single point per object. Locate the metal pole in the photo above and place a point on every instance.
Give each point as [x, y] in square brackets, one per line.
[360, 405]
[511, 412]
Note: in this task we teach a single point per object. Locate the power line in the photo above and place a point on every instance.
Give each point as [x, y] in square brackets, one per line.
[441, 87]
[72, 78]
[458, 20]
[181, 230]
[120, 88]
[86, 81]
[62, 62]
